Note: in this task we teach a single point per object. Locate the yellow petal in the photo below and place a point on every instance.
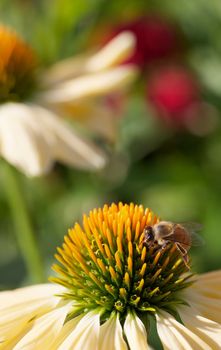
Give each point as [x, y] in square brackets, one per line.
[174, 335]
[111, 335]
[135, 332]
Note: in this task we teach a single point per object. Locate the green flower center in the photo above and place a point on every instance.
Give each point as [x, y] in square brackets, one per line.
[108, 265]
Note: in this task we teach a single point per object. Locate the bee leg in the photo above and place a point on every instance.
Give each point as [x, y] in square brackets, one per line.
[184, 254]
[164, 245]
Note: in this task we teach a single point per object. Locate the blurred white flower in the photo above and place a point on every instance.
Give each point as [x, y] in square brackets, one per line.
[111, 285]
[33, 132]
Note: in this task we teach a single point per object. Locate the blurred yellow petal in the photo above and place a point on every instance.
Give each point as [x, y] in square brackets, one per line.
[135, 332]
[174, 335]
[88, 86]
[111, 335]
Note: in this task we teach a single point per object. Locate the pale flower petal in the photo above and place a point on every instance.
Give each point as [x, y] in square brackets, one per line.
[92, 85]
[135, 332]
[205, 306]
[32, 138]
[20, 306]
[113, 53]
[96, 117]
[174, 335]
[205, 295]
[23, 141]
[34, 293]
[67, 329]
[85, 335]
[68, 147]
[209, 284]
[111, 335]
[44, 330]
[207, 330]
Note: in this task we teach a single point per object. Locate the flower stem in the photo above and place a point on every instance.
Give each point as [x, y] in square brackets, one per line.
[23, 226]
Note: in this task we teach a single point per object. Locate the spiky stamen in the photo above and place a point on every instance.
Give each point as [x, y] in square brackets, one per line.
[17, 67]
[109, 265]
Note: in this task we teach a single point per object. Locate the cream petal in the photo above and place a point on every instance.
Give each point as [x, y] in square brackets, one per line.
[111, 335]
[23, 141]
[10, 344]
[44, 330]
[208, 281]
[135, 332]
[67, 329]
[19, 307]
[96, 117]
[207, 330]
[206, 306]
[174, 335]
[92, 85]
[205, 295]
[84, 335]
[68, 147]
[30, 293]
[113, 53]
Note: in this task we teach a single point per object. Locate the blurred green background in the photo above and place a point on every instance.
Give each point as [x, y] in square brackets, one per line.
[167, 154]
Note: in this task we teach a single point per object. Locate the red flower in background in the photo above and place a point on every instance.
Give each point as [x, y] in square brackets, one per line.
[156, 39]
[173, 91]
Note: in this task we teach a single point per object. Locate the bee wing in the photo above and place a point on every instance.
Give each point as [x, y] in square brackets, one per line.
[192, 228]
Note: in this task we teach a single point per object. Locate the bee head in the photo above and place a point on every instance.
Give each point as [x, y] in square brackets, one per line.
[148, 230]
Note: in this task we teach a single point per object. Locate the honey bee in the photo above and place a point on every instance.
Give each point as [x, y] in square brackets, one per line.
[183, 235]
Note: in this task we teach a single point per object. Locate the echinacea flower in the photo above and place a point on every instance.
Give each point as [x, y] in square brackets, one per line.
[34, 103]
[110, 283]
